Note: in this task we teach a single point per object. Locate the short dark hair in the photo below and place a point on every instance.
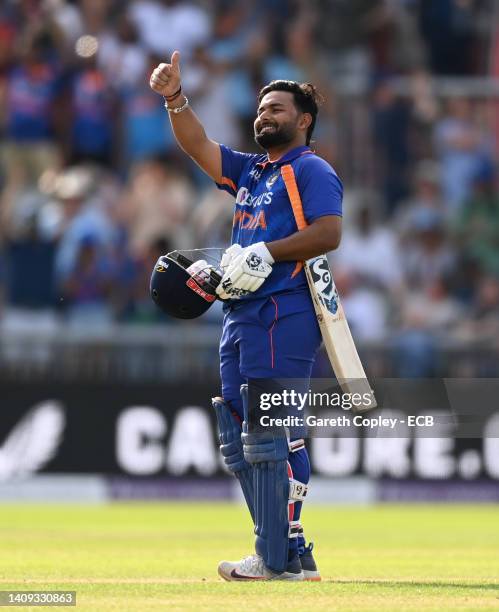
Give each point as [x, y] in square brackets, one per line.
[306, 98]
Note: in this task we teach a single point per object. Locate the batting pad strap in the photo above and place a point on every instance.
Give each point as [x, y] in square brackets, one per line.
[259, 448]
[294, 529]
[231, 445]
[296, 445]
[297, 490]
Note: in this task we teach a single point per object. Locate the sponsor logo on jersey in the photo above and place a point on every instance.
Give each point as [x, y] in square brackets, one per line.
[245, 198]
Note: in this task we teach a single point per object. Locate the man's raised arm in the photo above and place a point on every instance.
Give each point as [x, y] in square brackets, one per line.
[189, 132]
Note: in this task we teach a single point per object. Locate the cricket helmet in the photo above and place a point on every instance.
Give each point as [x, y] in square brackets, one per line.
[183, 288]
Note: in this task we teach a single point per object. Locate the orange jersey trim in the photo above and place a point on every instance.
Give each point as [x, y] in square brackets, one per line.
[298, 268]
[289, 178]
[229, 182]
[288, 175]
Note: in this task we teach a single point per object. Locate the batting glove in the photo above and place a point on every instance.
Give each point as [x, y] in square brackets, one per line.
[246, 273]
[228, 257]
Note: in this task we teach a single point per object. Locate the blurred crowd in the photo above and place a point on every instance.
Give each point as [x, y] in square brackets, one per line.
[93, 188]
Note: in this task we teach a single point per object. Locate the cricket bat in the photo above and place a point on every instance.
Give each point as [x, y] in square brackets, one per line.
[336, 333]
[333, 324]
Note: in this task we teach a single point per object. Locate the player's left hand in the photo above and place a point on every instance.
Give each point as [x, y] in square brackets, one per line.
[246, 272]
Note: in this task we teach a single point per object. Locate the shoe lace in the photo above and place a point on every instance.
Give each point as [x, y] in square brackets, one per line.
[252, 565]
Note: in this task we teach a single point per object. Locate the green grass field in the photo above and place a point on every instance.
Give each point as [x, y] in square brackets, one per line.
[164, 556]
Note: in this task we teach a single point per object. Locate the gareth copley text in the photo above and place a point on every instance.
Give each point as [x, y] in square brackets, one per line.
[344, 420]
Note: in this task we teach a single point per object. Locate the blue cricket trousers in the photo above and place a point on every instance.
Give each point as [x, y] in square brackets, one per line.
[272, 337]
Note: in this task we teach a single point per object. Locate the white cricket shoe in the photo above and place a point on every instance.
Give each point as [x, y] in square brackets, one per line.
[253, 568]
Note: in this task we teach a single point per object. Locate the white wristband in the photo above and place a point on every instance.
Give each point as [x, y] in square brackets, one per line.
[178, 109]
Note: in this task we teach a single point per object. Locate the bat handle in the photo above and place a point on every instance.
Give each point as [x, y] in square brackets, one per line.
[215, 276]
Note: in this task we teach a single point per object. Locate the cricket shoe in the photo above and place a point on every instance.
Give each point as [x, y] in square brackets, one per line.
[308, 565]
[253, 568]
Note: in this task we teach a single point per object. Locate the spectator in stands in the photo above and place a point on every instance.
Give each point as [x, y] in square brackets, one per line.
[462, 148]
[69, 21]
[429, 256]
[145, 125]
[211, 94]
[84, 213]
[368, 306]
[477, 226]
[395, 40]
[93, 110]
[425, 110]
[157, 201]
[86, 289]
[211, 219]
[426, 196]
[167, 25]
[367, 271]
[32, 89]
[95, 15]
[427, 315]
[30, 254]
[344, 36]
[432, 308]
[448, 27]
[482, 323]
[240, 45]
[141, 308]
[295, 61]
[234, 31]
[391, 117]
[121, 56]
[327, 131]
[369, 249]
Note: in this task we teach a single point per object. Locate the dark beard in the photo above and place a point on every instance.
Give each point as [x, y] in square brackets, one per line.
[277, 138]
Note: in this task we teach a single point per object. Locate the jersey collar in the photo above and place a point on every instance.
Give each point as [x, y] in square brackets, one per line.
[289, 156]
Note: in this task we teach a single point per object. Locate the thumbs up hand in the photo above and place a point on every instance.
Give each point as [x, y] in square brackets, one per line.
[165, 79]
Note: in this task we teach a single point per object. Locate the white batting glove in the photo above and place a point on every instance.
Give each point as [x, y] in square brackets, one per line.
[246, 273]
[228, 257]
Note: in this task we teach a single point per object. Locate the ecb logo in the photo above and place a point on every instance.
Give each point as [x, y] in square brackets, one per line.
[323, 282]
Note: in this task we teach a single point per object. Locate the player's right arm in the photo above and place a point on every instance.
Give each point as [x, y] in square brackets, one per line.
[188, 130]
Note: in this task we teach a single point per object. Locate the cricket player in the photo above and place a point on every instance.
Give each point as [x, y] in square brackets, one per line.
[270, 329]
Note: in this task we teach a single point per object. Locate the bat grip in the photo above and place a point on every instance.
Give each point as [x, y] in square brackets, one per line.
[215, 276]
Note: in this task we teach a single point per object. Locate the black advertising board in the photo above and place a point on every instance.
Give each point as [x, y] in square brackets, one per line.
[155, 430]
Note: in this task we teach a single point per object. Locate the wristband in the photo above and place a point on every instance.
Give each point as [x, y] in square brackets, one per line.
[173, 96]
[178, 109]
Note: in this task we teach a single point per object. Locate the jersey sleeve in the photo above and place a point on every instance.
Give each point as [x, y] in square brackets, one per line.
[320, 188]
[234, 166]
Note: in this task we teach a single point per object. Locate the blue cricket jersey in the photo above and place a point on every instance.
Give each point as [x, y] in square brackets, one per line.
[263, 211]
